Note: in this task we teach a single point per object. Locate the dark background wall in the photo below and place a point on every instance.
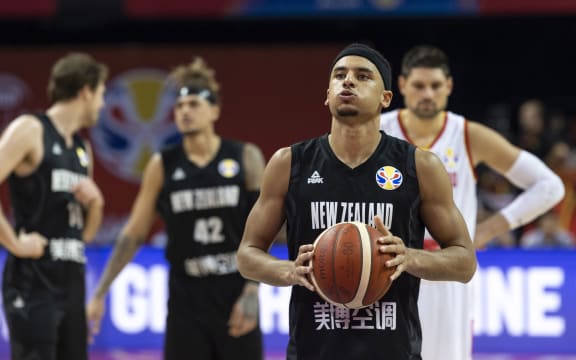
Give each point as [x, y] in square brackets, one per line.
[495, 59]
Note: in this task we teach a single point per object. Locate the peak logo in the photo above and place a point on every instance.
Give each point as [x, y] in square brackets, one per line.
[315, 178]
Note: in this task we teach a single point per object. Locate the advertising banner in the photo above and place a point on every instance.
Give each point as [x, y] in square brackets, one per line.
[301, 8]
[524, 303]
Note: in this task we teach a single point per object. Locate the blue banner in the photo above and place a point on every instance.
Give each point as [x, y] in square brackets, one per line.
[523, 303]
[316, 8]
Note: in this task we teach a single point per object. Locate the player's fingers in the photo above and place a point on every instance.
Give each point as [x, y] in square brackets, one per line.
[304, 257]
[240, 327]
[398, 272]
[42, 241]
[95, 327]
[243, 328]
[247, 326]
[93, 330]
[304, 282]
[235, 316]
[380, 226]
[307, 248]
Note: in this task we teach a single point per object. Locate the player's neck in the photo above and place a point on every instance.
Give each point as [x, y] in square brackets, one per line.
[419, 131]
[201, 148]
[353, 145]
[66, 118]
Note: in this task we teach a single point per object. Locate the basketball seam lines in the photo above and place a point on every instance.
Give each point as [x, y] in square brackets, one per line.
[357, 301]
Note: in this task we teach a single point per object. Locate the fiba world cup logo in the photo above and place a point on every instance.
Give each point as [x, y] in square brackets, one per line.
[450, 159]
[228, 168]
[136, 122]
[389, 178]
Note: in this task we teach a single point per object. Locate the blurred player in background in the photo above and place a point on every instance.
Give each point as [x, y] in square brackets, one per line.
[203, 188]
[57, 208]
[339, 177]
[425, 84]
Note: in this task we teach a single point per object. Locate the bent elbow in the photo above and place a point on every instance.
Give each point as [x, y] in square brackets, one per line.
[557, 190]
[241, 262]
[471, 267]
[244, 263]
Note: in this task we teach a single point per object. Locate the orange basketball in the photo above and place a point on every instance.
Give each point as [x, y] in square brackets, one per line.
[347, 268]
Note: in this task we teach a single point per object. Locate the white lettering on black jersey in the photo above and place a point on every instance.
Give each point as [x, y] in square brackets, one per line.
[327, 213]
[206, 198]
[64, 180]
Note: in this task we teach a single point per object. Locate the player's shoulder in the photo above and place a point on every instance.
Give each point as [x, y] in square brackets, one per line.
[460, 118]
[280, 161]
[25, 125]
[247, 146]
[477, 129]
[239, 146]
[427, 163]
[157, 163]
[282, 154]
[27, 121]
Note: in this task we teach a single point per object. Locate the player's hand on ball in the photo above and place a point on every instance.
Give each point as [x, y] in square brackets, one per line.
[391, 244]
[302, 266]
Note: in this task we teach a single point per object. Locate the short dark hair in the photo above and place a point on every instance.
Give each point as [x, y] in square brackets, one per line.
[71, 73]
[426, 56]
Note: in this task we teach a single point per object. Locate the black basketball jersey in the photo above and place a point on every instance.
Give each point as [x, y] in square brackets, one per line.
[324, 191]
[43, 202]
[204, 210]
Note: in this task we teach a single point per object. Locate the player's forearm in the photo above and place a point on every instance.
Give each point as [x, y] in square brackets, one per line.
[490, 228]
[123, 252]
[454, 263]
[94, 215]
[256, 264]
[542, 190]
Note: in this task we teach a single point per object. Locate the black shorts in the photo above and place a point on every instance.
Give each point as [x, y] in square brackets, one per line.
[197, 324]
[43, 327]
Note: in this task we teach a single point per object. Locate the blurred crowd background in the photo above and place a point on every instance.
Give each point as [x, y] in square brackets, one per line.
[512, 61]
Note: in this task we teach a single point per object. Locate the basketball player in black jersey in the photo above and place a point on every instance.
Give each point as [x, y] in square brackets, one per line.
[204, 189]
[55, 202]
[356, 173]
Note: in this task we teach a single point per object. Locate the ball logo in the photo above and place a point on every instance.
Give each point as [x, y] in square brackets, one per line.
[228, 168]
[135, 123]
[389, 178]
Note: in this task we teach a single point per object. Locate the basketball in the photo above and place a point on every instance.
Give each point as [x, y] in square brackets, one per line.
[347, 268]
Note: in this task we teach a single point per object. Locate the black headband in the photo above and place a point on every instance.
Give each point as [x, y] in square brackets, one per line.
[373, 56]
[204, 93]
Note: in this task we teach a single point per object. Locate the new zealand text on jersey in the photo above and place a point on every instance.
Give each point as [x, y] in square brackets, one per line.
[206, 198]
[327, 213]
[63, 180]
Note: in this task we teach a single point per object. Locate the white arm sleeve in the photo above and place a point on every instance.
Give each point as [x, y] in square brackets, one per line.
[542, 190]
